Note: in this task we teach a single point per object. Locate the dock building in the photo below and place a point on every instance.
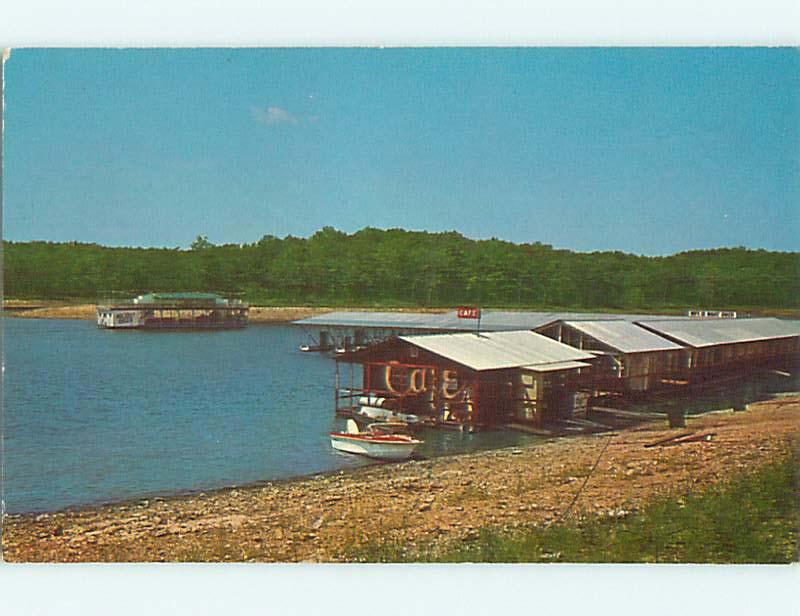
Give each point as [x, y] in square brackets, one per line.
[631, 358]
[466, 378]
[715, 346]
[538, 367]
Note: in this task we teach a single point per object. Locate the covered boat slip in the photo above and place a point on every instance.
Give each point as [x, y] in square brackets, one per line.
[631, 358]
[725, 346]
[642, 356]
[465, 379]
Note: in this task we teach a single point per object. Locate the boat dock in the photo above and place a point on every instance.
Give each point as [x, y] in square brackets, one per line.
[551, 372]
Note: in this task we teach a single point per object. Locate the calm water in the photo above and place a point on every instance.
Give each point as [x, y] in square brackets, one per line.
[95, 415]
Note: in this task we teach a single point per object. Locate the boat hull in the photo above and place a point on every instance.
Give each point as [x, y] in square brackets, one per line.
[381, 448]
[107, 319]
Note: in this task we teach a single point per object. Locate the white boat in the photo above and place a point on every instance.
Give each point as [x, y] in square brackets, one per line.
[379, 414]
[309, 348]
[375, 442]
[371, 407]
[113, 318]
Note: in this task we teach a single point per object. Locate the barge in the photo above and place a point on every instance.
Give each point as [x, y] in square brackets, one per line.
[169, 311]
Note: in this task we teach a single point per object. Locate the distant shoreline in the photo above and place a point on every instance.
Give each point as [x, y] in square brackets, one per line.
[31, 309]
[53, 309]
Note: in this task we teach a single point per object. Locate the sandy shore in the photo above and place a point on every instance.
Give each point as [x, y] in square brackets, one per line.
[432, 502]
[53, 310]
[48, 309]
[29, 309]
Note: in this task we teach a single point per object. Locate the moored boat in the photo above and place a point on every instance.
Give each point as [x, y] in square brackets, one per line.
[378, 414]
[379, 441]
[372, 408]
[313, 348]
[169, 311]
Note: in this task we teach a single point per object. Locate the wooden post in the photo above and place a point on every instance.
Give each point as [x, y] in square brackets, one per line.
[435, 385]
[474, 411]
[336, 390]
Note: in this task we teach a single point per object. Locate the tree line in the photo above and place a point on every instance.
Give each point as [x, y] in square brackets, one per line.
[395, 267]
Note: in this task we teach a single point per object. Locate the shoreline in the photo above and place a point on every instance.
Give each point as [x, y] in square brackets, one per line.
[52, 309]
[436, 501]
[180, 494]
[29, 309]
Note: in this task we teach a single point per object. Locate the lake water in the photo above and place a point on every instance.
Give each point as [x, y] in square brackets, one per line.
[93, 415]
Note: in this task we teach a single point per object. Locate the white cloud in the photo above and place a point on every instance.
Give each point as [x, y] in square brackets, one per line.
[273, 115]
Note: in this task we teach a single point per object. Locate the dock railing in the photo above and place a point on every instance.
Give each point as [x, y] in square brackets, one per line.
[162, 299]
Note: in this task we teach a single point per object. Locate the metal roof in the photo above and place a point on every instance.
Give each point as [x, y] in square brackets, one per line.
[496, 350]
[383, 320]
[562, 365]
[624, 336]
[710, 332]
[188, 298]
[491, 320]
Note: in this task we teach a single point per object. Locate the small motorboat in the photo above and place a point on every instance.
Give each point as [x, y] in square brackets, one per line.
[312, 348]
[384, 441]
[372, 408]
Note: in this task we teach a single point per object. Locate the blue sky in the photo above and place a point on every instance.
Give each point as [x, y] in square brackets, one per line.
[651, 151]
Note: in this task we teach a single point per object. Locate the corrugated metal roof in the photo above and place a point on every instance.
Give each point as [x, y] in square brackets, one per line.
[709, 332]
[509, 320]
[181, 297]
[491, 320]
[624, 336]
[496, 350]
[382, 320]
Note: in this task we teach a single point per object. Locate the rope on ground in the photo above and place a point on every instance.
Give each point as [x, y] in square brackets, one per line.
[585, 481]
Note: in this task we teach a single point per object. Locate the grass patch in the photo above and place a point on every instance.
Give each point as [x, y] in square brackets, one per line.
[754, 518]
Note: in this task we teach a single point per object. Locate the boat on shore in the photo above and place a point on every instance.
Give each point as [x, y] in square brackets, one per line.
[382, 441]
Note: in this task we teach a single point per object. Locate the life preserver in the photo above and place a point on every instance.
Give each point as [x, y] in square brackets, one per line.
[412, 381]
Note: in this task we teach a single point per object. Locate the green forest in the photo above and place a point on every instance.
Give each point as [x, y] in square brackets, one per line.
[385, 268]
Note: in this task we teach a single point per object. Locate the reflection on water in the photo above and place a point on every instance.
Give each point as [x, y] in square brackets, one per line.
[95, 415]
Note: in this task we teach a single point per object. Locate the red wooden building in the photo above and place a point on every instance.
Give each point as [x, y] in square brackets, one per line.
[466, 378]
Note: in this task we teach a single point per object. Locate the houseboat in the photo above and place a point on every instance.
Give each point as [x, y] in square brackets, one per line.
[173, 311]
